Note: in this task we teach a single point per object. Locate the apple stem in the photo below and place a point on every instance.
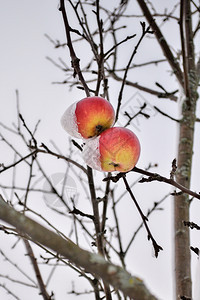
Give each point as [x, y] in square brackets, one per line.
[114, 164]
[99, 129]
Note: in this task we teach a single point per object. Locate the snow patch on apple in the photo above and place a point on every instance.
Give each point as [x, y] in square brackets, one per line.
[69, 122]
[91, 154]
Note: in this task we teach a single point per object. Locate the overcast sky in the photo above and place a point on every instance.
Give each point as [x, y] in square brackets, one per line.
[23, 66]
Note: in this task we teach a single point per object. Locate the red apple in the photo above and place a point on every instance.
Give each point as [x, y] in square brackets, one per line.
[88, 117]
[115, 149]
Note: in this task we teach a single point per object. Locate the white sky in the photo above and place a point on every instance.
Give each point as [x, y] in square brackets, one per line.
[23, 66]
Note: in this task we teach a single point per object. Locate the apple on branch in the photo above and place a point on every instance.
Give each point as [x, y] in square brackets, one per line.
[115, 149]
[88, 117]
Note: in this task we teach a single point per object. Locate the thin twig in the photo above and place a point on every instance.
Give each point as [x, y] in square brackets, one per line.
[39, 278]
[48, 151]
[150, 211]
[17, 267]
[143, 88]
[29, 131]
[29, 181]
[140, 112]
[105, 206]
[166, 115]
[18, 281]
[101, 55]
[121, 251]
[9, 291]
[145, 30]
[156, 247]
[19, 161]
[119, 43]
[157, 177]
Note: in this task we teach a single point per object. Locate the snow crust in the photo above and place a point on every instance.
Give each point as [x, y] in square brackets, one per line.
[91, 154]
[69, 122]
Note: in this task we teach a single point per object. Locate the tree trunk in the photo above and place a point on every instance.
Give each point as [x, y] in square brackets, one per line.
[181, 202]
[185, 152]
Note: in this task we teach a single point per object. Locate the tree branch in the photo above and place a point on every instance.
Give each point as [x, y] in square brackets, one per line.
[162, 42]
[74, 59]
[143, 88]
[40, 281]
[145, 30]
[91, 262]
[166, 115]
[155, 177]
[156, 247]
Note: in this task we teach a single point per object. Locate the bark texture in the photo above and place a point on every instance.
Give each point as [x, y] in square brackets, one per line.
[185, 153]
[181, 203]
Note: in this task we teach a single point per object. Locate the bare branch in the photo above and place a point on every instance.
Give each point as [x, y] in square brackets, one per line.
[9, 291]
[123, 41]
[162, 41]
[156, 247]
[17, 267]
[48, 151]
[154, 177]
[74, 58]
[19, 161]
[144, 88]
[43, 290]
[145, 30]
[17, 281]
[166, 115]
[150, 211]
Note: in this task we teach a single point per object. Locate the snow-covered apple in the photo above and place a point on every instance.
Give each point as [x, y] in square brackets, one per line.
[88, 117]
[115, 149]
